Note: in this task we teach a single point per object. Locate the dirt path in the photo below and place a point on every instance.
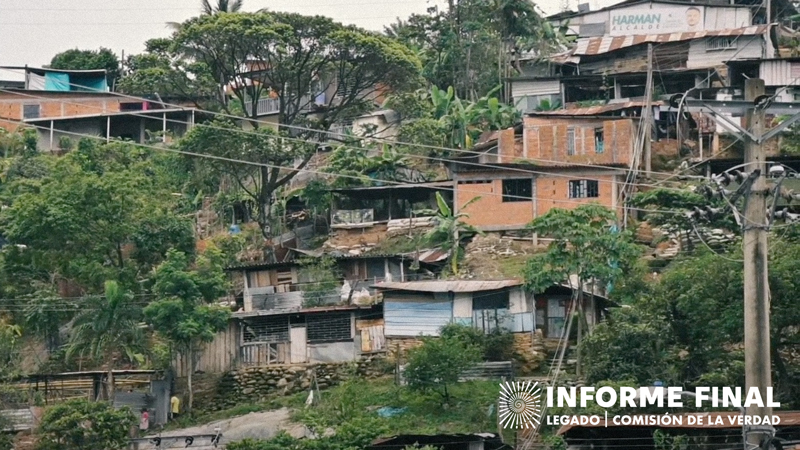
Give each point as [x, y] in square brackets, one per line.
[261, 425]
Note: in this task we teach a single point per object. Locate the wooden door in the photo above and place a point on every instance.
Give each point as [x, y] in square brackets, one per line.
[297, 337]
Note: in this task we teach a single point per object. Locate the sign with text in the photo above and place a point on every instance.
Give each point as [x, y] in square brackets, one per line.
[658, 20]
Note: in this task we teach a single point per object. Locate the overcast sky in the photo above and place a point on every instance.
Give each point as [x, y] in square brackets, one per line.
[34, 30]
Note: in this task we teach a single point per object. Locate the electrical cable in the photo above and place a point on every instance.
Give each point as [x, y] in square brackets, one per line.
[299, 128]
[319, 172]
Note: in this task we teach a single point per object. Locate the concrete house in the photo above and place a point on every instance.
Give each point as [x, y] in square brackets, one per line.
[520, 174]
[66, 104]
[608, 62]
[275, 327]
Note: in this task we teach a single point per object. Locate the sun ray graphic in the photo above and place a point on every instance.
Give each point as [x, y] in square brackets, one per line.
[520, 404]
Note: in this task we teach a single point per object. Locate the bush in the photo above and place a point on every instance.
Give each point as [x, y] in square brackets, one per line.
[6, 439]
[439, 362]
[84, 425]
[498, 345]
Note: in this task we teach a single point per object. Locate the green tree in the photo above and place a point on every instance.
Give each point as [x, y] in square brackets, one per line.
[270, 156]
[585, 246]
[79, 214]
[84, 425]
[164, 70]
[107, 330]
[10, 335]
[439, 362]
[301, 56]
[470, 44]
[183, 313]
[102, 58]
[450, 230]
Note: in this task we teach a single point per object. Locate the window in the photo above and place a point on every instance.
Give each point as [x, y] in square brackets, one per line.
[599, 142]
[490, 310]
[583, 189]
[266, 329]
[721, 43]
[30, 111]
[570, 141]
[517, 190]
[328, 327]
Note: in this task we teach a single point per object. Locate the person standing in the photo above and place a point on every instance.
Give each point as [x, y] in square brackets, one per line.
[175, 407]
[144, 421]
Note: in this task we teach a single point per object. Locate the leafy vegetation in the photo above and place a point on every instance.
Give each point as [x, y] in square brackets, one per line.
[182, 313]
[451, 231]
[437, 364]
[102, 58]
[107, 331]
[84, 425]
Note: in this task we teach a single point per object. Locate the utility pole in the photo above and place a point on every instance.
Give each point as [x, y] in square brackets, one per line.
[757, 357]
[647, 117]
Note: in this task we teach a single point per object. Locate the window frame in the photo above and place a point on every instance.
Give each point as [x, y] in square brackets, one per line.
[599, 140]
[584, 188]
[570, 141]
[516, 192]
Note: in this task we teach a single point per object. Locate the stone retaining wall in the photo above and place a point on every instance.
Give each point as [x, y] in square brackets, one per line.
[257, 384]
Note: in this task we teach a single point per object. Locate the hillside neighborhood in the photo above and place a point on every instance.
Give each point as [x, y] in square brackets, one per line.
[272, 230]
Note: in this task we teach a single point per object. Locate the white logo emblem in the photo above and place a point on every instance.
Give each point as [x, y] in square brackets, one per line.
[520, 404]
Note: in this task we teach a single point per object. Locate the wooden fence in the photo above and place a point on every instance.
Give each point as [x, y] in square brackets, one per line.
[219, 355]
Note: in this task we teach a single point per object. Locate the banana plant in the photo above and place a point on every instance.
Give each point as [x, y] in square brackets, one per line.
[450, 230]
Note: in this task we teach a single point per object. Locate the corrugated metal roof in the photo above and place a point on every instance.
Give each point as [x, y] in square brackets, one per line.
[448, 286]
[318, 309]
[605, 44]
[590, 110]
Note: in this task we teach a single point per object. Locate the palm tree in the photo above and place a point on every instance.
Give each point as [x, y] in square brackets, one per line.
[108, 325]
[222, 6]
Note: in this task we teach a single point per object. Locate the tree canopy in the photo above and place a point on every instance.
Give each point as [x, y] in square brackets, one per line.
[296, 58]
[102, 58]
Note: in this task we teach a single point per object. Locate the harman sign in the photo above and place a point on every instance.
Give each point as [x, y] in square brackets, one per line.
[631, 21]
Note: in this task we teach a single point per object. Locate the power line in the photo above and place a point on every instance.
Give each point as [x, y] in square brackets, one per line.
[319, 131]
[273, 166]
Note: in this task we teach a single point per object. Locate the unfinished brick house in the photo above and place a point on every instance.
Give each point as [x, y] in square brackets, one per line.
[553, 160]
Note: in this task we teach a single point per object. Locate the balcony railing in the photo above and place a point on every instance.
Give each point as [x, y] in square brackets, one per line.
[264, 106]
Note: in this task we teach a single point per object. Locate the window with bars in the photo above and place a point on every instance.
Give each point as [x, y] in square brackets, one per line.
[266, 329]
[583, 189]
[517, 190]
[570, 141]
[328, 327]
[721, 43]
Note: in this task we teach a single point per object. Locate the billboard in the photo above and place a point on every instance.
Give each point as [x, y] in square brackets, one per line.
[656, 20]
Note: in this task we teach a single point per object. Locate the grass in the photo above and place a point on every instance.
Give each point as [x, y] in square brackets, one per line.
[471, 408]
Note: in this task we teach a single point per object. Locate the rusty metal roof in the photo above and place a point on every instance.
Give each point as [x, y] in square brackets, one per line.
[605, 44]
[788, 418]
[449, 286]
[591, 110]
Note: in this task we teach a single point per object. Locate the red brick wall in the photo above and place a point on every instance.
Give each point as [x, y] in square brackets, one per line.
[54, 105]
[550, 191]
[546, 139]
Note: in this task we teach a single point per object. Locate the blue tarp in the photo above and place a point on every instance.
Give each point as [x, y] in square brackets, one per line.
[54, 81]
